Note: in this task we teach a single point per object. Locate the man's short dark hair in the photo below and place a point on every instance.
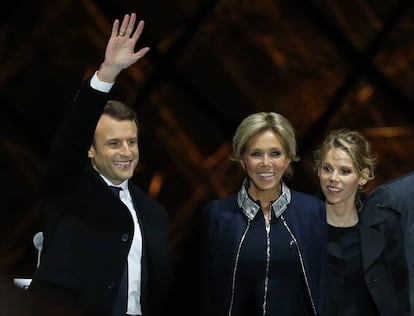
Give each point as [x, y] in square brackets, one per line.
[120, 111]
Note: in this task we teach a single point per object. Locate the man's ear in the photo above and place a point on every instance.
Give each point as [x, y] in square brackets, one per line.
[91, 152]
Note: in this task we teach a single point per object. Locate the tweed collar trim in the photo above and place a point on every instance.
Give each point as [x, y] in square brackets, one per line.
[250, 207]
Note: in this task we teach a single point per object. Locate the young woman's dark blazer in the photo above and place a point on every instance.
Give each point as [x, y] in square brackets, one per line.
[383, 262]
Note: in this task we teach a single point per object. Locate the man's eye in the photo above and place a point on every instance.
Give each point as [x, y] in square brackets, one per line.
[113, 143]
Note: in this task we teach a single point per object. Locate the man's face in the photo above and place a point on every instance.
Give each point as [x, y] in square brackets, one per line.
[115, 153]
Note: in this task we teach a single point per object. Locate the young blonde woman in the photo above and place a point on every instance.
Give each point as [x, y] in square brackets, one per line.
[367, 273]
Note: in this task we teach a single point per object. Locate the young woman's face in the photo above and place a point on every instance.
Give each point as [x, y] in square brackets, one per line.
[265, 162]
[338, 178]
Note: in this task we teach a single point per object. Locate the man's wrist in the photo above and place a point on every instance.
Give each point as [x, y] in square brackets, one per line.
[100, 85]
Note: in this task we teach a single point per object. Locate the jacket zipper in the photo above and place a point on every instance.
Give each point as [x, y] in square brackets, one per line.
[266, 282]
[301, 264]
[267, 267]
[236, 262]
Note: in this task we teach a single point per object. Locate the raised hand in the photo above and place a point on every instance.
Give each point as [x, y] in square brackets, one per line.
[120, 50]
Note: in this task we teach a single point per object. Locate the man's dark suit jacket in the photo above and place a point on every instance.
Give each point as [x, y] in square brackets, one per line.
[397, 197]
[88, 231]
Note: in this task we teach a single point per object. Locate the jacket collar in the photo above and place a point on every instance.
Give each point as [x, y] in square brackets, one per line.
[372, 238]
[250, 207]
[372, 245]
[123, 185]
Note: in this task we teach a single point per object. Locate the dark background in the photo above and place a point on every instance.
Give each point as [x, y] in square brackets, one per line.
[322, 64]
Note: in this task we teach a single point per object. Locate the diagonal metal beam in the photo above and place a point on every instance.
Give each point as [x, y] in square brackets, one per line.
[361, 61]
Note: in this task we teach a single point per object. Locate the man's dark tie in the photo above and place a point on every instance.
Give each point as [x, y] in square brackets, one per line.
[115, 190]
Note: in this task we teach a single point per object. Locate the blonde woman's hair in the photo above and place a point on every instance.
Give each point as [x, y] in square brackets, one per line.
[260, 122]
[355, 145]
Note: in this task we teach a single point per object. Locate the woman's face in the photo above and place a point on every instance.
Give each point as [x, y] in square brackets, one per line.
[265, 162]
[338, 178]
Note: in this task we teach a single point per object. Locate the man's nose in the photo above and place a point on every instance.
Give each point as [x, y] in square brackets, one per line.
[125, 149]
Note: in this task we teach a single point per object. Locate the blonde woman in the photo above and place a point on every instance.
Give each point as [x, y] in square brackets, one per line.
[367, 273]
[264, 247]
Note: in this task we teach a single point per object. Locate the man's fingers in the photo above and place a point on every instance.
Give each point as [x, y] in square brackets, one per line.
[141, 53]
[138, 30]
[124, 25]
[131, 24]
[115, 27]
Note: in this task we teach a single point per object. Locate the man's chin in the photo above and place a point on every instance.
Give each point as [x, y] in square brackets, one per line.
[125, 176]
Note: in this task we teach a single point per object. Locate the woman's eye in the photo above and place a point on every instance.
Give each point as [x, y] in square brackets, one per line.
[276, 154]
[326, 168]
